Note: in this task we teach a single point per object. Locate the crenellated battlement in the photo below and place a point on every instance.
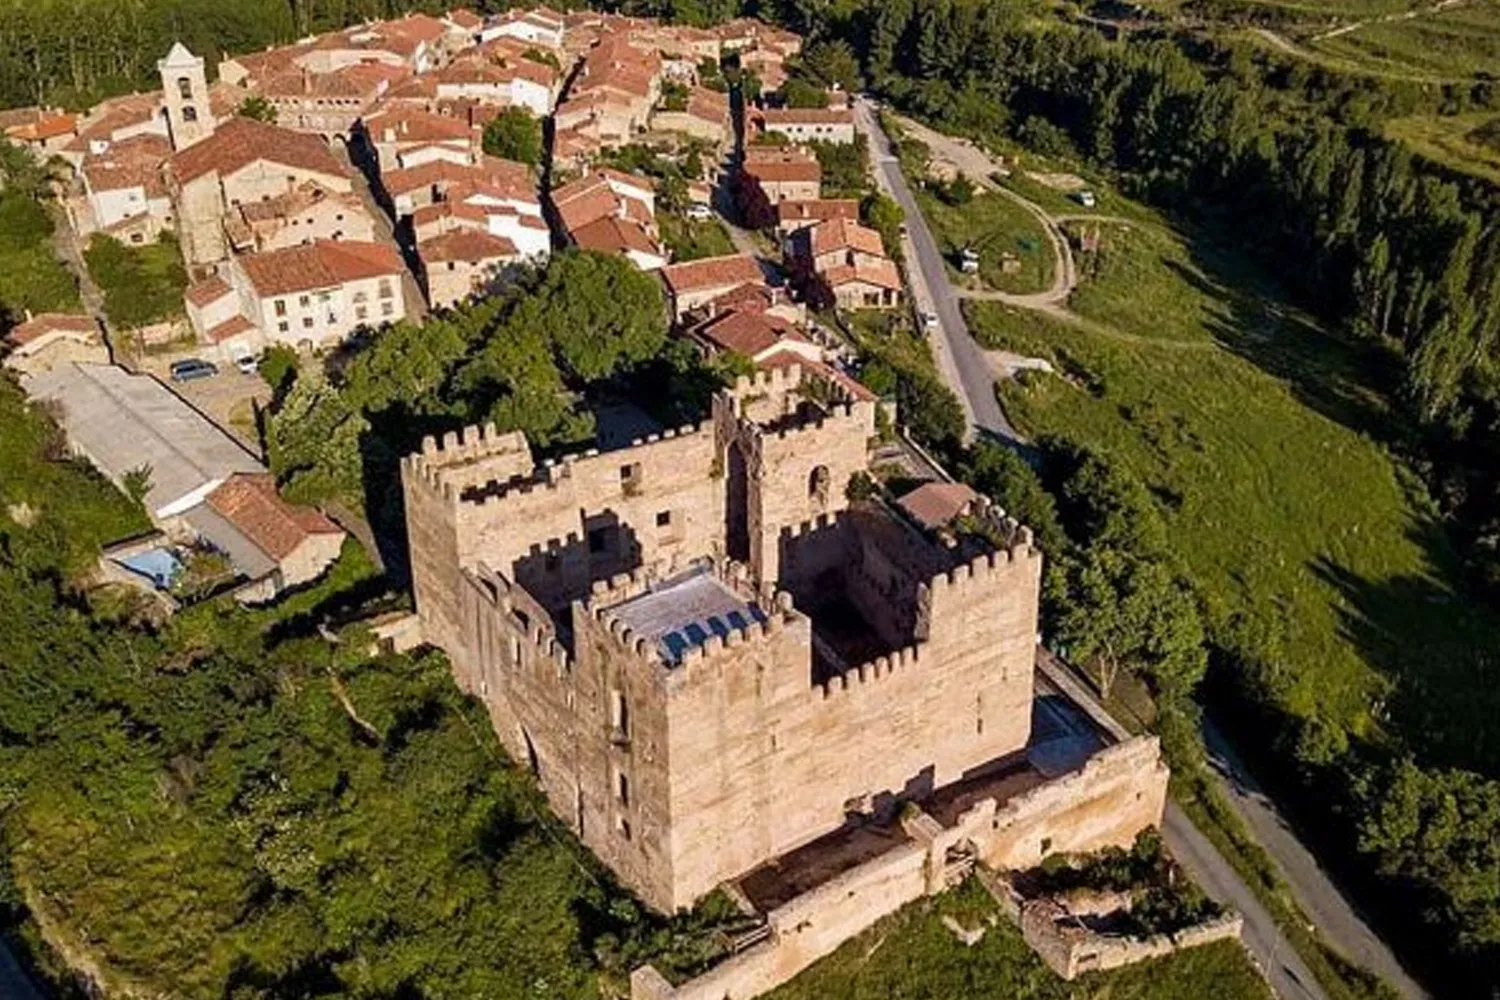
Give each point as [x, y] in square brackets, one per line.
[984, 571]
[781, 615]
[856, 679]
[498, 595]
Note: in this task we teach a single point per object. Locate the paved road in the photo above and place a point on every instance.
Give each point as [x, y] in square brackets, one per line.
[1315, 892]
[1289, 976]
[1333, 916]
[961, 358]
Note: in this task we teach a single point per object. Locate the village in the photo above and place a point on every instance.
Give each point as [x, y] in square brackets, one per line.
[322, 191]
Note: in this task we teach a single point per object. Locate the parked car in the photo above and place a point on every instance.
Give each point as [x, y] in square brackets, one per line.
[192, 369]
[247, 363]
[929, 322]
[699, 212]
[1086, 199]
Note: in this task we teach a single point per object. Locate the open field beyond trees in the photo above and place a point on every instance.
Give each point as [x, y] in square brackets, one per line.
[1468, 143]
[1461, 41]
[997, 228]
[1259, 436]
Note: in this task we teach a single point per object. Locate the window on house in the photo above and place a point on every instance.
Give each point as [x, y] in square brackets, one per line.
[184, 87]
[386, 309]
[189, 113]
[303, 300]
[385, 288]
[283, 326]
[361, 296]
[623, 825]
[281, 307]
[663, 518]
[307, 322]
[332, 319]
[361, 313]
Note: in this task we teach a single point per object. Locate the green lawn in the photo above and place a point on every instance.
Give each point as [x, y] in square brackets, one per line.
[142, 285]
[1462, 41]
[31, 277]
[996, 226]
[1460, 142]
[1258, 433]
[912, 955]
[693, 240]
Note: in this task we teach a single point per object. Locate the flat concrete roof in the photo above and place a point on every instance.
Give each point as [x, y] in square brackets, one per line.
[681, 613]
[122, 422]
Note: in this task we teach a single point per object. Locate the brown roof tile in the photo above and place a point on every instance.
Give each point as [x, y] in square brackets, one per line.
[323, 264]
[45, 323]
[935, 504]
[240, 142]
[250, 503]
[469, 245]
[728, 271]
[207, 291]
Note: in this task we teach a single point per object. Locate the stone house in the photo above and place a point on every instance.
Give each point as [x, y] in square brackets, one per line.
[400, 138]
[540, 26]
[500, 80]
[309, 297]
[269, 537]
[794, 216]
[706, 116]
[696, 283]
[462, 263]
[807, 124]
[304, 215]
[244, 161]
[125, 190]
[609, 211]
[771, 175]
[49, 340]
[844, 263]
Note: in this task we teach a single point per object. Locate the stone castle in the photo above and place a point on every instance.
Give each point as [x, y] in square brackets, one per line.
[713, 658]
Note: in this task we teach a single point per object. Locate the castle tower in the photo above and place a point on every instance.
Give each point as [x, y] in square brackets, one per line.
[184, 85]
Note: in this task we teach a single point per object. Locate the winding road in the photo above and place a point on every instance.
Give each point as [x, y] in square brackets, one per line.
[959, 356]
[968, 371]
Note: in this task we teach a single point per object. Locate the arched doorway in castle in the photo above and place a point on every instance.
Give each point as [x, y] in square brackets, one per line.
[736, 505]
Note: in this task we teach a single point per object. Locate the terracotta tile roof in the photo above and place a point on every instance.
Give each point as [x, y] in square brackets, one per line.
[231, 327]
[407, 124]
[362, 82]
[747, 332]
[807, 116]
[300, 198]
[45, 323]
[323, 264]
[816, 210]
[611, 235]
[240, 142]
[46, 126]
[933, 505]
[401, 37]
[728, 271]
[881, 273]
[130, 163]
[471, 245]
[456, 210]
[783, 171]
[591, 198]
[504, 174]
[250, 503]
[465, 18]
[207, 291]
[845, 234]
[709, 105]
[110, 116]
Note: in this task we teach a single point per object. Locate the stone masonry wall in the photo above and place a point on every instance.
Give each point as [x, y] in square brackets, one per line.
[762, 763]
[814, 924]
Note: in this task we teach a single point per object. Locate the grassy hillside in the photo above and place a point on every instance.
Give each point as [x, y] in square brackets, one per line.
[1469, 143]
[1260, 436]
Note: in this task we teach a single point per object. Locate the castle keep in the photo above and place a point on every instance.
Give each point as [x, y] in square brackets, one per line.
[718, 664]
